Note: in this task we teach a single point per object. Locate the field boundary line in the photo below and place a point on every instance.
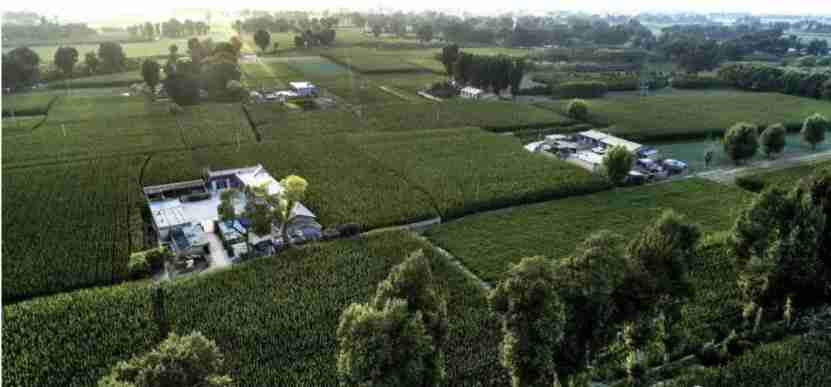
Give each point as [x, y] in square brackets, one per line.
[484, 285]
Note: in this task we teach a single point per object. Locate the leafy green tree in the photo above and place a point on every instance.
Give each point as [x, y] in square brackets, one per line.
[617, 162]
[533, 322]
[666, 249]
[20, 68]
[449, 56]
[776, 241]
[150, 73]
[262, 38]
[578, 109]
[182, 88]
[741, 141]
[383, 347]
[91, 61]
[587, 280]
[112, 57]
[814, 128]
[425, 33]
[773, 139]
[191, 360]
[65, 59]
[412, 281]
[517, 72]
[294, 190]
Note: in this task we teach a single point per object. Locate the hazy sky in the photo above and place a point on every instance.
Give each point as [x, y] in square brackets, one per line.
[89, 10]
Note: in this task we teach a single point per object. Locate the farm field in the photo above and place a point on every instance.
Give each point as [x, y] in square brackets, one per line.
[261, 310]
[74, 232]
[345, 186]
[800, 361]
[132, 50]
[28, 104]
[468, 170]
[786, 178]
[495, 116]
[125, 78]
[665, 117]
[488, 242]
[127, 126]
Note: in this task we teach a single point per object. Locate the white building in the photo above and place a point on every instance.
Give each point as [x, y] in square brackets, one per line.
[471, 93]
[183, 212]
[303, 89]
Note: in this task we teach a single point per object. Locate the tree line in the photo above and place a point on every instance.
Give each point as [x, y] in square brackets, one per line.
[760, 77]
[172, 28]
[36, 27]
[485, 72]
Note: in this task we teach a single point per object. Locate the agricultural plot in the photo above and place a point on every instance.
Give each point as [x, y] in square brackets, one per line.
[368, 61]
[131, 49]
[488, 242]
[411, 83]
[28, 104]
[786, 178]
[345, 186]
[69, 225]
[494, 116]
[263, 310]
[800, 361]
[126, 78]
[669, 117]
[72, 134]
[468, 170]
[21, 125]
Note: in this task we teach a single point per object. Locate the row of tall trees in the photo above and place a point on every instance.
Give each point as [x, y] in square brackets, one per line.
[34, 27]
[172, 28]
[758, 77]
[496, 73]
[21, 66]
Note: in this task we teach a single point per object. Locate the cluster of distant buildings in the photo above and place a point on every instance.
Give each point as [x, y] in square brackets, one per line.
[588, 148]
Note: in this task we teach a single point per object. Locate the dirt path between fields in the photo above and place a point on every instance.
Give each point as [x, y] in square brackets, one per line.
[729, 175]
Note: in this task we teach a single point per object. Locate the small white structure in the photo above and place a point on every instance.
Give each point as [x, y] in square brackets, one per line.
[471, 93]
[303, 89]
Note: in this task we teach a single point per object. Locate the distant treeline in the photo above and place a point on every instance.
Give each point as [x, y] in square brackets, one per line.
[28, 27]
[172, 28]
[769, 78]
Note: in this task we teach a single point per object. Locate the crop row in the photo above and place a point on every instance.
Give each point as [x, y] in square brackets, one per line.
[259, 313]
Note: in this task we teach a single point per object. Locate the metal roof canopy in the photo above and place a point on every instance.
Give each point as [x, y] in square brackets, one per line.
[156, 189]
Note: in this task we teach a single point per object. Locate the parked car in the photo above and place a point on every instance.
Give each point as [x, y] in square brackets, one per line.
[674, 166]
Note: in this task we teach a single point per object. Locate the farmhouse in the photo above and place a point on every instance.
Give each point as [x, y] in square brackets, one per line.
[185, 214]
[303, 89]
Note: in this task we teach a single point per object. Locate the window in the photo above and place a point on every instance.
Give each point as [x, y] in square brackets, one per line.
[221, 184]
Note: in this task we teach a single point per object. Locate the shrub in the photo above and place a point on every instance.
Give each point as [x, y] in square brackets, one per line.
[157, 257]
[808, 61]
[191, 360]
[536, 90]
[741, 141]
[588, 89]
[138, 267]
[697, 82]
[578, 109]
[814, 128]
[617, 163]
[751, 183]
[773, 139]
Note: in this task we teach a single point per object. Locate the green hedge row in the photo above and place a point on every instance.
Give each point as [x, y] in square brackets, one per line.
[580, 89]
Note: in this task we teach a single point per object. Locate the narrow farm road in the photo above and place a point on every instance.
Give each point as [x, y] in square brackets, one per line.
[728, 175]
[219, 257]
[486, 286]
